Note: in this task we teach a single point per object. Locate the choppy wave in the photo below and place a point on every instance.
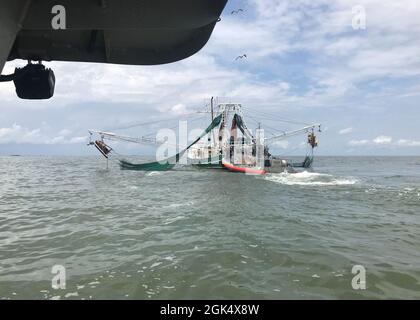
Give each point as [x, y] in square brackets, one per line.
[208, 234]
[306, 178]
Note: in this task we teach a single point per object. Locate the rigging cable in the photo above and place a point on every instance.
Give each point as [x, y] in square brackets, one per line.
[274, 117]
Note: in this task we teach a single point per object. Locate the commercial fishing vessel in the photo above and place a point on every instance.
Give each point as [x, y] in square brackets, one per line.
[227, 143]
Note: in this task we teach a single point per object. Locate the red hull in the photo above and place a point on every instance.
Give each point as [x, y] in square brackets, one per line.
[234, 168]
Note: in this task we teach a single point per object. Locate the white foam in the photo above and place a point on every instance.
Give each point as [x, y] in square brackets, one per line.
[169, 258]
[180, 204]
[155, 265]
[306, 178]
[153, 173]
[71, 294]
[171, 220]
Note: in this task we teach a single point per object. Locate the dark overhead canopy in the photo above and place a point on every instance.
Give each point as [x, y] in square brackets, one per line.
[138, 32]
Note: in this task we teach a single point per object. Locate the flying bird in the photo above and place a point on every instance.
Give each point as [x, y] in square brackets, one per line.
[241, 57]
[237, 11]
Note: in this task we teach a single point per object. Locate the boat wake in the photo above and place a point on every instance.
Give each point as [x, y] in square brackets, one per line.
[306, 178]
[153, 173]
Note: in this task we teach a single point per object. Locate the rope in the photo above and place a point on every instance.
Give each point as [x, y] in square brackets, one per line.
[174, 127]
[273, 116]
[146, 123]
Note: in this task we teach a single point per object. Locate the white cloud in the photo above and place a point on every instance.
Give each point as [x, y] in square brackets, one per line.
[64, 132]
[284, 144]
[363, 142]
[346, 130]
[382, 140]
[17, 134]
[179, 109]
[5, 132]
[408, 143]
[385, 141]
[77, 140]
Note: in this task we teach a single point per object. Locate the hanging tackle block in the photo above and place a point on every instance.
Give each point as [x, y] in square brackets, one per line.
[103, 148]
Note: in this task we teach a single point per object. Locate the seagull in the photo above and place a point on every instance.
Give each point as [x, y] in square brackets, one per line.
[241, 57]
[237, 11]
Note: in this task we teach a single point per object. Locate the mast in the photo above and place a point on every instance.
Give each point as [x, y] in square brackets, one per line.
[209, 147]
[211, 106]
[214, 132]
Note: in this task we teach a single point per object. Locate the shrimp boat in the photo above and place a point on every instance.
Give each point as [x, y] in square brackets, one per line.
[227, 144]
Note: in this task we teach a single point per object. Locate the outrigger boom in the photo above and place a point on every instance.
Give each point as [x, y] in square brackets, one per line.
[306, 129]
[115, 137]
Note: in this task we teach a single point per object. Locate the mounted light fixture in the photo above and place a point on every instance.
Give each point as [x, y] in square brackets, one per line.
[34, 81]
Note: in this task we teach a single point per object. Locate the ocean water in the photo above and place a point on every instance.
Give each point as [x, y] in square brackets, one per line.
[209, 234]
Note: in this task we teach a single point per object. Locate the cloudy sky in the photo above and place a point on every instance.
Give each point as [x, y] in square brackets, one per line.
[305, 61]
